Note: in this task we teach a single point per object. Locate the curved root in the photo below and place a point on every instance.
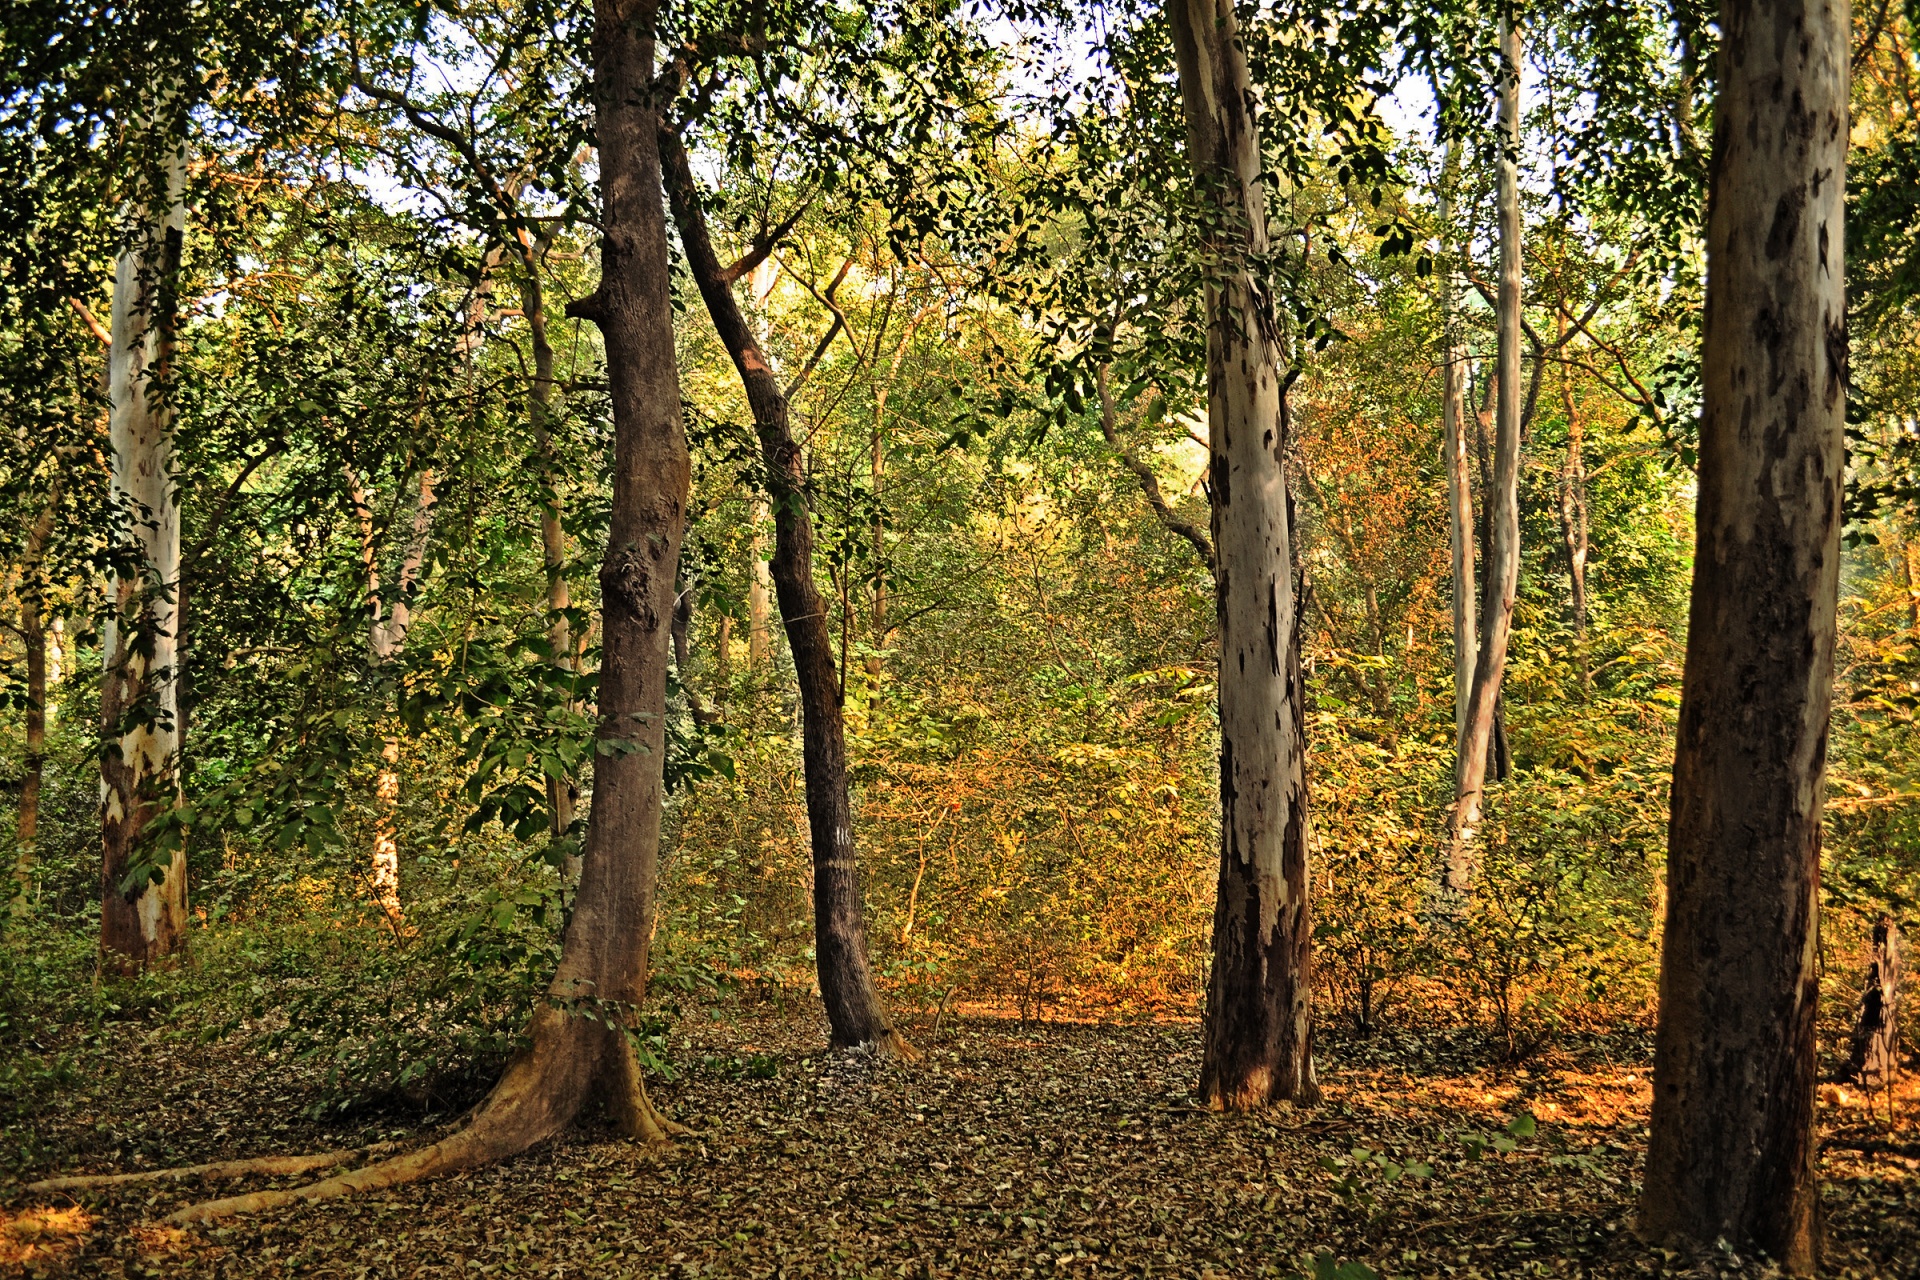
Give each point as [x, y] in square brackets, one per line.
[448, 1156]
[269, 1166]
[540, 1094]
[633, 1112]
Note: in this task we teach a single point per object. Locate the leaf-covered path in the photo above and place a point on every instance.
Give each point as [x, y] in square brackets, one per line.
[1042, 1150]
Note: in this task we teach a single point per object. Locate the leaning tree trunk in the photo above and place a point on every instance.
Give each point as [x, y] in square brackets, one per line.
[1503, 503]
[1873, 1057]
[144, 921]
[1259, 1024]
[580, 1042]
[854, 1010]
[1732, 1151]
[33, 635]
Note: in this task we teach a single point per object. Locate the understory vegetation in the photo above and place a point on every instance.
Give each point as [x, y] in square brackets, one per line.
[970, 254]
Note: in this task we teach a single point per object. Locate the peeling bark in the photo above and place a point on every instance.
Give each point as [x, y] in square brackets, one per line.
[1732, 1153]
[138, 766]
[1258, 1036]
[1873, 1056]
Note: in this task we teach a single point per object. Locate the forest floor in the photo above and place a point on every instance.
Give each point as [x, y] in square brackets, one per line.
[1010, 1149]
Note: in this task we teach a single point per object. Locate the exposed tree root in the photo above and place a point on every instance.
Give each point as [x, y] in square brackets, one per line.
[541, 1093]
[269, 1166]
[894, 1045]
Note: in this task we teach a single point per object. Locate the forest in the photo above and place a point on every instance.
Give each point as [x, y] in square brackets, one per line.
[1229, 638]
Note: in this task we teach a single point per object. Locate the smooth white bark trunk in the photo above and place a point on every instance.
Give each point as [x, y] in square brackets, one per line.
[141, 639]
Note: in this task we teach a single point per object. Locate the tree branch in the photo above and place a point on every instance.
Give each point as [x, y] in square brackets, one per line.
[1149, 483]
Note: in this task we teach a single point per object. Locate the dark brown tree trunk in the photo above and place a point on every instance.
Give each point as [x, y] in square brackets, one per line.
[854, 1011]
[1258, 1036]
[1873, 1058]
[1732, 1151]
[580, 1047]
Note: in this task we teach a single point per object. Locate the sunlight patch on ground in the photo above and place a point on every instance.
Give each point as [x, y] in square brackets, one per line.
[40, 1235]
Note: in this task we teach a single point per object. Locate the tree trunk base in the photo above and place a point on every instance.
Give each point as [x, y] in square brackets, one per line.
[540, 1094]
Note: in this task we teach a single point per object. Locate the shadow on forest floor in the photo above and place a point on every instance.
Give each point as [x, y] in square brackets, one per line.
[1048, 1149]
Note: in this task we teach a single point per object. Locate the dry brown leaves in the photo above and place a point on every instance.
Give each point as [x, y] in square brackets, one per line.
[1044, 1150]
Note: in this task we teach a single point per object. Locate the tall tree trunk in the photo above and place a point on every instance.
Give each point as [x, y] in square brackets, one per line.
[1456, 462]
[1573, 522]
[1732, 1151]
[138, 780]
[877, 630]
[1258, 1037]
[683, 654]
[854, 1010]
[759, 591]
[1502, 504]
[1913, 586]
[386, 633]
[33, 634]
[561, 792]
[580, 1036]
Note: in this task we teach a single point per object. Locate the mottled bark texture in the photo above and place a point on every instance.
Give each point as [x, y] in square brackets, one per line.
[1732, 1151]
[386, 635]
[579, 1047]
[1480, 735]
[1873, 1056]
[139, 725]
[1258, 1036]
[854, 1010]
